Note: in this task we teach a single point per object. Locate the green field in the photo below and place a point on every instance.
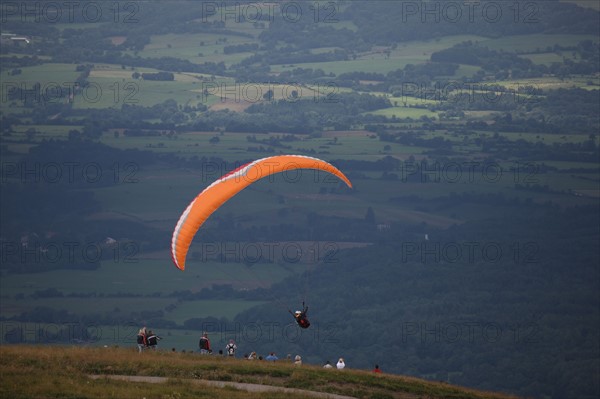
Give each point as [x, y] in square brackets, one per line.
[548, 58]
[136, 276]
[377, 61]
[405, 112]
[110, 86]
[196, 48]
[49, 74]
[535, 42]
[167, 192]
[549, 138]
[117, 87]
[116, 289]
[553, 83]
[234, 146]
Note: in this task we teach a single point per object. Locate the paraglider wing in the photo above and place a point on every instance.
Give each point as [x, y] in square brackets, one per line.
[216, 194]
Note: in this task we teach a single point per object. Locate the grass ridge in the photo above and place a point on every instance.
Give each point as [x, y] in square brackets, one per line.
[64, 371]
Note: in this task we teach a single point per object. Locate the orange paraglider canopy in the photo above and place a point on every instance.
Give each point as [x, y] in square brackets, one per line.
[220, 191]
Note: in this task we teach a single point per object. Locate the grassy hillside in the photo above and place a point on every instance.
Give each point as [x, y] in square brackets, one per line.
[52, 371]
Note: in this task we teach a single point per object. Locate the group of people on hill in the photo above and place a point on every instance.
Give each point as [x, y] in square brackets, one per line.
[340, 365]
[205, 348]
[272, 357]
[230, 349]
[146, 339]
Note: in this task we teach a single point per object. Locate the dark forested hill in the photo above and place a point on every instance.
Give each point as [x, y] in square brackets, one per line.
[485, 304]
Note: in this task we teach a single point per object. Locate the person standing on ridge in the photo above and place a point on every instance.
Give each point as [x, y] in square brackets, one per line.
[204, 344]
[230, 348]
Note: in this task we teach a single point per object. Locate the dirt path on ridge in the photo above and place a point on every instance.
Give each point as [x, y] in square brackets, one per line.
[221, 384]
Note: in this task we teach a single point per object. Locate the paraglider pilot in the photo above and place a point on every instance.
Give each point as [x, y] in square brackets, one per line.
[300, 316]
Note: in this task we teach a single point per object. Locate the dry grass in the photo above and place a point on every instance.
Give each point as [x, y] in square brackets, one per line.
[63, 372]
